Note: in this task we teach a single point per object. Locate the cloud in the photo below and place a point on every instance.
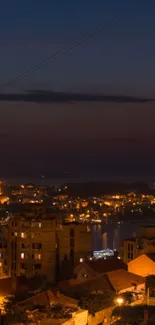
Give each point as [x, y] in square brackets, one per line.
[42, 96]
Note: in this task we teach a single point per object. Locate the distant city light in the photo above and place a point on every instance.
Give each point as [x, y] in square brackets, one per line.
[81, 260]
[103, 253]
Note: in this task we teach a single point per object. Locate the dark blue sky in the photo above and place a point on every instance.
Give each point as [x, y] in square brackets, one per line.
[120, 60]
[103, 138]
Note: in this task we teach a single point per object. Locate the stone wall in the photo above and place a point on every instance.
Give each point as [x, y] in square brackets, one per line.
[102, 316]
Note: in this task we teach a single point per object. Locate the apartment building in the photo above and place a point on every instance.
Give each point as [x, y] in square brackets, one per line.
[34, 247]
[74, 242]
[142, 243]
[28, 248]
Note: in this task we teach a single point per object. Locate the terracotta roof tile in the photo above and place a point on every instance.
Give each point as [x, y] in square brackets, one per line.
[121, 279]
[103, 266]
[47, 298]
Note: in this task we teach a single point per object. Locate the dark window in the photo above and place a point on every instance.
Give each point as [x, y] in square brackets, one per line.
[71, 232]
[151, 292]
[131, 256]
[36, 266]
[72, 242]
[23, 266]
[128, 247]
[128, 256]
[13, 266]
[131, 247]
[72, 254]
[36, 245]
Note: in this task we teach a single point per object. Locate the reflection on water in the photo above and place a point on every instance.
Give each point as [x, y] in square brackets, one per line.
[111, 235]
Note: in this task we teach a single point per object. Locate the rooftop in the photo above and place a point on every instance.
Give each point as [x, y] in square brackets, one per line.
[151, 256]
[48, 297]
[106, 265]
[110, 282]
[9, 286]
[121, 279]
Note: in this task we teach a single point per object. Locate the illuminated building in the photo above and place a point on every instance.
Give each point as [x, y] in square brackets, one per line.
[34, 247]
[103, 253]
[1, 187]
[143, 243]
[143, 265]
[3, 199]
[74, 242]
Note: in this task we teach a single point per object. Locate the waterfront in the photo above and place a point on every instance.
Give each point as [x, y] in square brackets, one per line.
[116, 233]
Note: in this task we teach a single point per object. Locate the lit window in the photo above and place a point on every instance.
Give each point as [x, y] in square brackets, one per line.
[22, 255]
[14, 234]
[81, 259]
[36, 266]
[36, 256]
[23, 235]
[39, 224]
[0, 264]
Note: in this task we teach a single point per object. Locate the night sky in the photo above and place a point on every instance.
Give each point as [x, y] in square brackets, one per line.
[106, 139]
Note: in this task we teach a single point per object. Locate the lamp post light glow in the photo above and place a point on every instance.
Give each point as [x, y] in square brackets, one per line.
[120, 301]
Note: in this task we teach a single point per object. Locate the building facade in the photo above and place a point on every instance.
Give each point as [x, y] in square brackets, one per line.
[142, 243]
[37, 247]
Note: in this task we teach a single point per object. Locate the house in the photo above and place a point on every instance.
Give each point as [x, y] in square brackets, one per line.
[48, 298]
[110, 283]
[19, 284]
[91, 269]
[97, 285]
[123, 281]
[53, 308]
[150, 290]
[143, 265]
